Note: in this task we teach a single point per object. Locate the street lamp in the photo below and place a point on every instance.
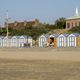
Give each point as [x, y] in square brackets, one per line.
[7, 22]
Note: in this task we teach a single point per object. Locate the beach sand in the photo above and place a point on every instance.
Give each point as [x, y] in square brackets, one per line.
[72, 54]
[39, 64]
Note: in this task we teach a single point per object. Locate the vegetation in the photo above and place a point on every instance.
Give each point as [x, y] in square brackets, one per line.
[60, 23]
[75, 30]
[35, 32]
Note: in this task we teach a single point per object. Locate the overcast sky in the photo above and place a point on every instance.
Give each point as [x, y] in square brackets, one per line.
[45, 10]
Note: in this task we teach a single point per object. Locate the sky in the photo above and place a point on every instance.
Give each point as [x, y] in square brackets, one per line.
[47, 11]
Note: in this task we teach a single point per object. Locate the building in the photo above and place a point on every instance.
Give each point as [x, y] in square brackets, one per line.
[22, 25]
[73, 21]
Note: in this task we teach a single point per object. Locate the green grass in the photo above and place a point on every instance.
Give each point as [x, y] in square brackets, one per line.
[60, 31]
[39, 70]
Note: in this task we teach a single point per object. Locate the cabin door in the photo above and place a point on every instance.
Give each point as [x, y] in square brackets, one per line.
[52, 41]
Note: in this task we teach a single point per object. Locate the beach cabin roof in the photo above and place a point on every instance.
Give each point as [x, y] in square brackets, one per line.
[14, 37]
[1, 37]
[9, 37]
[17, 37]
[52, 35]
[66, 35]
[72, 35]
[76, 34]
[61, 35]
[5, 37]
[44, 35]
[22, 36]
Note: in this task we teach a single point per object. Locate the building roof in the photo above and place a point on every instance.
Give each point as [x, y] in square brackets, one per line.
[76, 16]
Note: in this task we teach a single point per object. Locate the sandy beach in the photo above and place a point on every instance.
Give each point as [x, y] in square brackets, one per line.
[39, 64]
[72, 54]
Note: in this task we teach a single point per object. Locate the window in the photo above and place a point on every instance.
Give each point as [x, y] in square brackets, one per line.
[68, 25]
[75, 24]
[72, 24]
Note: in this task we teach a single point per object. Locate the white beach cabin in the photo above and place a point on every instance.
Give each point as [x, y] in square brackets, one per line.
[21, 41]
[62, 40]
[72, 40]
[29, 40]
[42, 41]
[14, 41]
[9, 41]
[5, 41]
[25, 41]
[1, 41]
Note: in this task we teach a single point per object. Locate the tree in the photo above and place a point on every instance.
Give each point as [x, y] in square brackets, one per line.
[60, 23]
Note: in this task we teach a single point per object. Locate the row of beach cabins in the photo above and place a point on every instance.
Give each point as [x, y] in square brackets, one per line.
[60, 40]
[45, 40]
[15, 41]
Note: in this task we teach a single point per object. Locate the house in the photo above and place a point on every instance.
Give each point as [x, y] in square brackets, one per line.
[62, 40]
[23, 25]
[73, 21]
[42, 41]
[72, 40]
